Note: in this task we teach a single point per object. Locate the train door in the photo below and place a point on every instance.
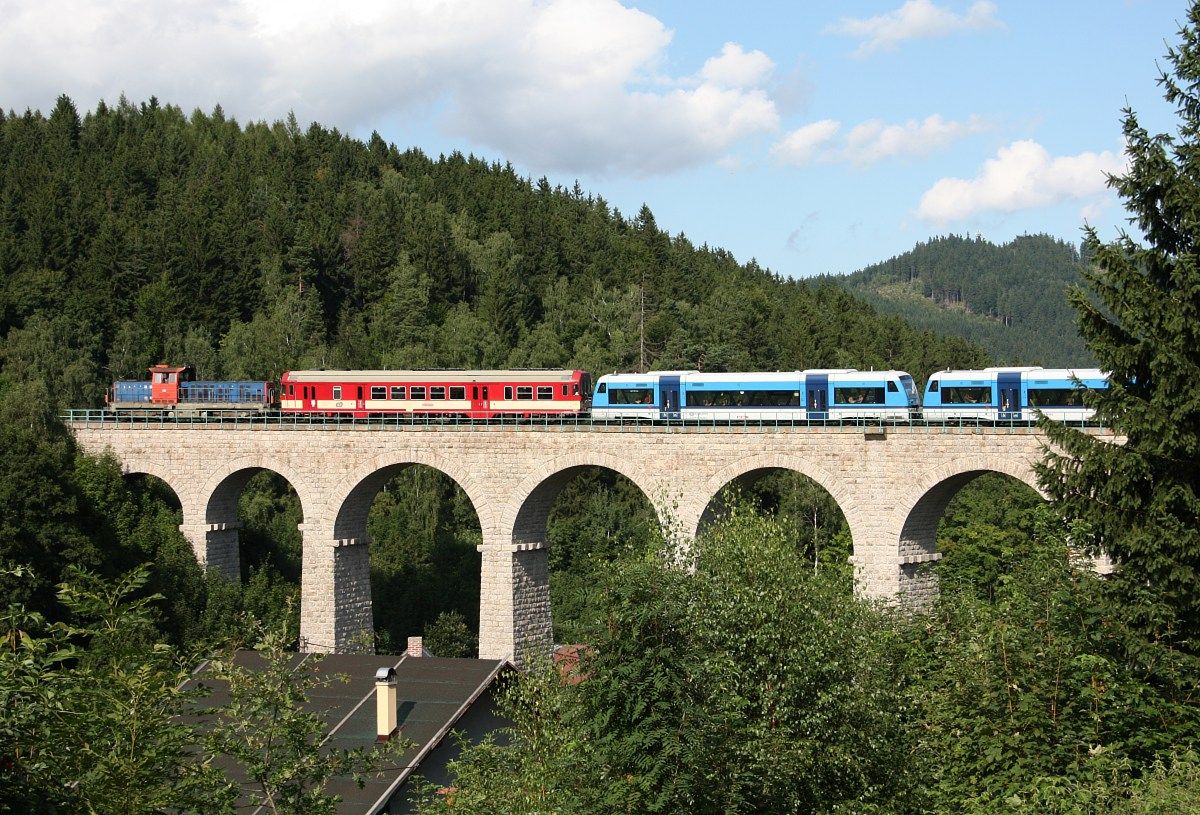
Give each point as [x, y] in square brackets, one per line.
[669, 390]
[817, 386]
[480, 404]
[1008, 386]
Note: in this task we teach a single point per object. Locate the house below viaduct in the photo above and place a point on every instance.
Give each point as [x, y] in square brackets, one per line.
[891, 483]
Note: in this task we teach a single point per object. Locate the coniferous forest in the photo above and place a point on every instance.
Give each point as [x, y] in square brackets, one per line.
[137, 233]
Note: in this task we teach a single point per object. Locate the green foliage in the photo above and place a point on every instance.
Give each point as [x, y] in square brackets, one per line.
[1139, 502]
[1171, 786]
[1033, 685]
[986, 530]
[92, 709]
[750, 684]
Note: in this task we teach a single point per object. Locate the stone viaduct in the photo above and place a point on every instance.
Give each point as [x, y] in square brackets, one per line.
[892, 484]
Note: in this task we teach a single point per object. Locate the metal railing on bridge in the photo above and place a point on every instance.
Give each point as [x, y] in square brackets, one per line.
[297, 421]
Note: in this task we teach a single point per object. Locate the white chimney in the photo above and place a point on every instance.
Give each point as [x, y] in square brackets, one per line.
[385, 704]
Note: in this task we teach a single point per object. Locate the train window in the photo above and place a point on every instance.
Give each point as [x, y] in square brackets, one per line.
[485, 391]
[892, 388]
[524, 392]
[437, 392]
[564, 390]
[379, 392]
[545, 392]
[1054, 397]
[602, 387]
[417, 392]
[337, 392]
[575, 389]
[475, 392]
[397, 391]
[458, 392]
[934, 386]
[631, 396]
[508, 391]
[359, 392]
[860, 395]
[966, 395]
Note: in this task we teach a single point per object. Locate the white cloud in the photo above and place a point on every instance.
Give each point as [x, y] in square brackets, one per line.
[557, 85]
[735, 68]
[913, 20]
[805, 144]
[1021, 176]
[872, 140]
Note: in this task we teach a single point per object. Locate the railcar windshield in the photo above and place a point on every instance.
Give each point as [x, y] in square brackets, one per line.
[910, 388]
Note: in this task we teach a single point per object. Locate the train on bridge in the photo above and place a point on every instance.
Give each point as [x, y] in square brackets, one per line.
[1015, 394]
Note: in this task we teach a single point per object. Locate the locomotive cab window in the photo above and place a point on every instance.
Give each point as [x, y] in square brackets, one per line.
[379, 392]
[458, 391]
[602, 387]
[545, 392]
[437, 392]
[935, 386]
[417, 392]
[575, 389]
[524, 393]
[892, 387]
[397, 392]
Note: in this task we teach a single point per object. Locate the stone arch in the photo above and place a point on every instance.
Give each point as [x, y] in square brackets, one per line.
[215, 534]
[163, 474]
[744, 472]
[352, 497]
[341, 558]
[918, 517]
[224, 487]
[525, 521]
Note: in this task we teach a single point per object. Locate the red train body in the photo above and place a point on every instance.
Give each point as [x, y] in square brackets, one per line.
[473, 394]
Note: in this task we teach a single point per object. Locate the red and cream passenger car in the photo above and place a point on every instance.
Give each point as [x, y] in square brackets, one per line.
[474, 394]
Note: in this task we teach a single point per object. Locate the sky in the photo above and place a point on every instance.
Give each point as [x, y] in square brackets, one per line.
[813, 136]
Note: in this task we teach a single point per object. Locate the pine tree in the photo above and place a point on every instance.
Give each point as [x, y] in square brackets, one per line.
[1140, 502]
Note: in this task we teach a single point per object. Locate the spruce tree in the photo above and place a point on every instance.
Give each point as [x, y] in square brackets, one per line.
[1139, 502]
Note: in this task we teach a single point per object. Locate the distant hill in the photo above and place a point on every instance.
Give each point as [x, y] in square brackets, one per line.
[1010, 299]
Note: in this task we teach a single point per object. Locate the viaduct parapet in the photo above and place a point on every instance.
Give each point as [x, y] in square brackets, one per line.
[892, 484]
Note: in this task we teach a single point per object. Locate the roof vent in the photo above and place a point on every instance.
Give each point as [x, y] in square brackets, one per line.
[385, 704]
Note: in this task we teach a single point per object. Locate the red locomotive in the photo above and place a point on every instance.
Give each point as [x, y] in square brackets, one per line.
[473, 394]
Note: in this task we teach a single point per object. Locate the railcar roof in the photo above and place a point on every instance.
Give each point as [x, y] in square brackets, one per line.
[432, 376]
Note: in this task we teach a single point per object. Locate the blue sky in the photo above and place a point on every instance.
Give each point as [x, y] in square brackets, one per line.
[814, 136]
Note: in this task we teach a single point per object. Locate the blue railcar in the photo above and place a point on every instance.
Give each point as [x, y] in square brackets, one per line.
[1011, 394]
[841, 394]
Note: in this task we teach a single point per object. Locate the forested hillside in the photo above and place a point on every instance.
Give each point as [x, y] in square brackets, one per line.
[1010, 299]
[137, 233]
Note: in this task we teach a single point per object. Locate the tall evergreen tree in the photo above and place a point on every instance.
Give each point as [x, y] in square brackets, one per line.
[1140, 501]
